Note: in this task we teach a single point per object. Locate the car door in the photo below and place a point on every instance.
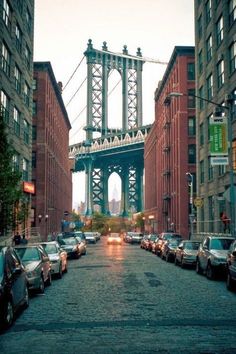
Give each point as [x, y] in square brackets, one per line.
[45, 263]
[15, 277]
[205, 253]
[232, 262]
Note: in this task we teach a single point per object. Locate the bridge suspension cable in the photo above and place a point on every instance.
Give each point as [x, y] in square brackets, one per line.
[76, 92]
[70, 78]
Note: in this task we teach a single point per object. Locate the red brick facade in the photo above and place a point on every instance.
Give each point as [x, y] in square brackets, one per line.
[50, 165]
[167, 149]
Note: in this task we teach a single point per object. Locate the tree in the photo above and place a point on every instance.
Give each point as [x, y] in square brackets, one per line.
[10, 188]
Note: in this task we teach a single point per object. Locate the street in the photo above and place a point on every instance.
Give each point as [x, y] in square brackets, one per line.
[122, 299]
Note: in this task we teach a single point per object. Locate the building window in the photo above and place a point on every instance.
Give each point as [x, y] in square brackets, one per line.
[191, 71]
[232, 11]
[210, 87]
[232, 57]
[25, 174]
[28, 21]
[16, 116]
[34, 160]
[208, 11]
[34, 108]
[27, 56]
[34, 132]
[26, 131]
[6, 59]
[18, 38]
[5, 106]
[222, 170]
[201, 134]
[210, 169]
[6, 14]
[219, 31]
[202, 171]
[201, 102]
[191, 126]
[192, 153]
[211, 213]
[200, 63]
[16, 161]
[209, 48]
[220, 74]
[20, 6]
[26, 94]
[191, 98]
[17, 78]
[200, 27]
[34, 84]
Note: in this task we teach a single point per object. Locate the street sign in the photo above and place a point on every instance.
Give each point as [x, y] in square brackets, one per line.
[198, 202]
[219, 160]
[218, 136]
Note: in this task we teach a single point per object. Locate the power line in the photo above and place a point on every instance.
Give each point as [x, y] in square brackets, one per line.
[77, 67]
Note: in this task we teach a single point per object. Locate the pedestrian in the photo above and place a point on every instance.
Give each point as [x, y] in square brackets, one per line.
[226, 221]
[24, 241]
[17, 239]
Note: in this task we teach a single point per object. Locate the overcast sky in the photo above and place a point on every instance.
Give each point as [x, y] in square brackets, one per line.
[62, 30]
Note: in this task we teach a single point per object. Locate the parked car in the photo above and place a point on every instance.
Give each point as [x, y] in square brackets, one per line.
[57, 256]
[114, 238]
[144, 241]
[211, 255]
[231, 267]
[186, 253]
[82, 245]
[168, 249]
[13, 286]
[150, 241]
[37, 265]
[90, 237]
[127, 237]
[71, 246]
[135, 237]
[164, 236]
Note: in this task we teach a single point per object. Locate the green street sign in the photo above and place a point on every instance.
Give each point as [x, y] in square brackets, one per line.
[218, 136]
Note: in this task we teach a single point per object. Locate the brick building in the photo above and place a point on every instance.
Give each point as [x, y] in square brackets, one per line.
[170, 148]
[16, 76]
[51, 167]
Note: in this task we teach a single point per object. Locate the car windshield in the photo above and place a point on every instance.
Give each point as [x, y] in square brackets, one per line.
[50, 248]
[173, 242]
[68, 241]
[114, 235]
[220, 244]
[191, 245]
[28, 254]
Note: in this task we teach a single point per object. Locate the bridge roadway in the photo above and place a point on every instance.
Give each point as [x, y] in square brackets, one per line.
[126, 300]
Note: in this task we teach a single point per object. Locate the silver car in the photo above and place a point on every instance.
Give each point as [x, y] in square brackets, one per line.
[211, 255]
[90, 237]
[57, 256]
[186, 253]
[37, 265]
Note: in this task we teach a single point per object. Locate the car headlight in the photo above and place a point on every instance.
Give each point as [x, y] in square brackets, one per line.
[218, 260]
[32, 273]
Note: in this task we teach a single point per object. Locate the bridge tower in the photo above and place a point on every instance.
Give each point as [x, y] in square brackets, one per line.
[99, 65]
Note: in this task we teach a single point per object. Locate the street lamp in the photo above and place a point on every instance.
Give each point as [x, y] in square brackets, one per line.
[229, 99]
[191, 215]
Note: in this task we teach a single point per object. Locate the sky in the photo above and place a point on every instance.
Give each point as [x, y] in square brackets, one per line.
[62, 29]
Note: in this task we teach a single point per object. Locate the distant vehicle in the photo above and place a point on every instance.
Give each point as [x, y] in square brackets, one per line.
[114, 238]
[186, 253]
[13, 286]
[37, 264]
[211, 255]
[90, 237]
[71, 245]
[134, 237]
[57, 256]
[82, 245]
[231, 267]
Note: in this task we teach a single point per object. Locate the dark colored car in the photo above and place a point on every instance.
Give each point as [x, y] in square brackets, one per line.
[231, 267]
[186, 253]
[164, 236]
[71, 245]
[168, 249]
[13, 286]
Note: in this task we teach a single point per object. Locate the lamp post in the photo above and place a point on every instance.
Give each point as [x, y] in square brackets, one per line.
[191, 215]
[229, 99]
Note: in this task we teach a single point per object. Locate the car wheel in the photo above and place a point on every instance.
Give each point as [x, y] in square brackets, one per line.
[230, 283]
[176, 261]
[9, 314]
[167, 257]
[41, 286]
[182, 263]
[66, 269]
[26, 298]
[49, 279]
[210, 272]
[60, 272]
[198, 267]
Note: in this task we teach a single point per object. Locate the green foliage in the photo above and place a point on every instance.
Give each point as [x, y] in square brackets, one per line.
[10, 188]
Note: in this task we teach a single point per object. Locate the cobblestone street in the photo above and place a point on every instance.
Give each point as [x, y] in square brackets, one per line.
[121, 299]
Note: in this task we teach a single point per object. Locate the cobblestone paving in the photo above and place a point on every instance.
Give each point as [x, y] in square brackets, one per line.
[126, 300]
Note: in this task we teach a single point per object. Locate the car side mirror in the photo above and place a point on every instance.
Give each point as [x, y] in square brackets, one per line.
[234, 253]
